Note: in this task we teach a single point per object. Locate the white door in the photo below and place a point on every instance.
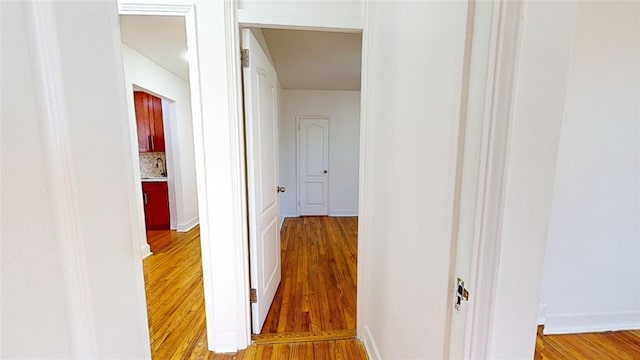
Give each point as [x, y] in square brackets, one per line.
[313, 166]
[261, 109]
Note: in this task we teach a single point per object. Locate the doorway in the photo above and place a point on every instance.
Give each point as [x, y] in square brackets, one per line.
[303, 275]
[158, 94]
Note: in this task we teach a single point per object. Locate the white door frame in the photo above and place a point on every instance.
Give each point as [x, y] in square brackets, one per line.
[221, 178]
[311, 117]
[225, 277]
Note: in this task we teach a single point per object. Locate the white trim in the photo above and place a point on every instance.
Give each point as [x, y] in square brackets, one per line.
[239, 176]
[542, 314]
[339, 213]
[370, 344]
[55, 132]
[145, 251]
[592, 322]
[220, 338]
[296, 21]
[184, 227]
[365, 185]
[168, 7]
[289, 213]
[498, 113]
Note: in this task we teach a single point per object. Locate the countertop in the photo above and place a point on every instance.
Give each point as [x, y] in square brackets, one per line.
[154, 179]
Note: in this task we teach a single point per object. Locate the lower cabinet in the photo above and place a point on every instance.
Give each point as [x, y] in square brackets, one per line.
[156, 205]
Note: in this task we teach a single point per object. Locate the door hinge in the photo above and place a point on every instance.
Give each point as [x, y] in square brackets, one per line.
[244, 57]
[253, 296]
[461, 294]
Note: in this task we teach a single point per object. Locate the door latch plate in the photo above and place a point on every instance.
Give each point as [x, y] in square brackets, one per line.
[461, 294]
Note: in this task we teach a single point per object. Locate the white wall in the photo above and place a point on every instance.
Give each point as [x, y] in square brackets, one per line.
[34, 318]
[141, 71]
[343, 109]
[72, 283]
[413, 108]
[592, 261]
[539, 93]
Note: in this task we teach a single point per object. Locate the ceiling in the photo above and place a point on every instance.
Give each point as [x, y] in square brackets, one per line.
[306, 60]
[162, 39]
[315, 60]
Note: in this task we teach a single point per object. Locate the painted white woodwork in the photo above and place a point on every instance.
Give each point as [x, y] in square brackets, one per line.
[475, 137]
[343, 107]
[219, 154]
[313, 166]
[542, 64]
[71, 274]
[145, 74]
[409, 130]
[593, 241]
[261, 109]
[329, 15]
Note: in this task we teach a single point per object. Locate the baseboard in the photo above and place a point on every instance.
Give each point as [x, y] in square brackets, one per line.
[289, 213]
[586, 323]
[370, 345]
[145, 250]
[339, 213]
[188, 225]
[542, 314]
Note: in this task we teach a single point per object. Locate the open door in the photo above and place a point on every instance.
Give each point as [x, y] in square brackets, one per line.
[261, 125]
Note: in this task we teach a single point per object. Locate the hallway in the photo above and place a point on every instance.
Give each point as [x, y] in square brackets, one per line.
[317, 293]
[174, 291]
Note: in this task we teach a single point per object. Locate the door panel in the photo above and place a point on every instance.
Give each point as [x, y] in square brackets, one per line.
[313, 166]
[261, 108]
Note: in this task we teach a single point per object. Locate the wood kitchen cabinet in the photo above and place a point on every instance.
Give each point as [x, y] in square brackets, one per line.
[156, 205]
[149, 122]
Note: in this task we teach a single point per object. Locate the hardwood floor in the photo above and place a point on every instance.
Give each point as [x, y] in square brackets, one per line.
[317, 293]
[173, 279]
[619, 345]
[175, 296]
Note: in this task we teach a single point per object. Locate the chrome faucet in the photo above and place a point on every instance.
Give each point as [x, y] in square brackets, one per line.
[163, 171]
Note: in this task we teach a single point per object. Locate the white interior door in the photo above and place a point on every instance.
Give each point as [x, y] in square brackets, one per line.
[313, 166]
[261, 109]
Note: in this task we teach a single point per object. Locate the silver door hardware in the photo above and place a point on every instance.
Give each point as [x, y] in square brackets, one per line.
[280, 189]
[461, 294]
[145, 198]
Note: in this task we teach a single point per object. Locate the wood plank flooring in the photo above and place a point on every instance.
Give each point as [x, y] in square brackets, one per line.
[173, 279]
[619, 345]
[317, 292]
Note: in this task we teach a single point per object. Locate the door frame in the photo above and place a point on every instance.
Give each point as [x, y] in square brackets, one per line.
[311, 117]
[221, 178]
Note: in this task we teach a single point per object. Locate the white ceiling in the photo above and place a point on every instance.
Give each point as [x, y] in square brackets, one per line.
[315, 60]
[162, 39]
[308, 60]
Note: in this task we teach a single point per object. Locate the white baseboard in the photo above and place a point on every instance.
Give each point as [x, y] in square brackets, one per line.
[289, 213]
[542, 314]
[188, 225]
[370, 345]
[145, 250]
[338, 213]
[596, 322]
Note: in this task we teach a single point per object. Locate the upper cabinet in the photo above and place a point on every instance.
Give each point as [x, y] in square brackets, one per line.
[149, 122]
